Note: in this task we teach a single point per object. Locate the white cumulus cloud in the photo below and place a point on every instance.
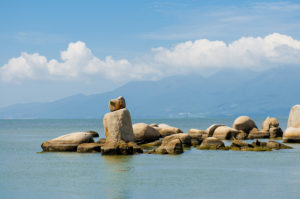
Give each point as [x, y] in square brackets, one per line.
[78, 61]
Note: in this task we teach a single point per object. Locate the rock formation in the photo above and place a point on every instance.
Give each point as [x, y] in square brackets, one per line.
[292, 133]
[117, 104]
[244, 123]
[69, 142]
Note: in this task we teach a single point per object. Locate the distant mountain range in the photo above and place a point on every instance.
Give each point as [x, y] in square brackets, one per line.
[228, 93]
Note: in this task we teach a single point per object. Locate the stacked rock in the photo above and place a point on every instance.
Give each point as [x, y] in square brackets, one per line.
[118, 130]
[292, 133]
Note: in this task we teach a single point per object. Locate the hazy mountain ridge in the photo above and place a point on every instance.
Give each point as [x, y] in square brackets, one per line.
[227, 93]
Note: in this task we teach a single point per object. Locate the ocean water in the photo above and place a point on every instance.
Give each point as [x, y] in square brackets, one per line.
[24, 173]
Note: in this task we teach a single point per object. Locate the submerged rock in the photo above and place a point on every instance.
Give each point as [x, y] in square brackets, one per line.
[277, 145]
[240, 145]
[118, 126]
[244, 123]
[68, 142]
[212, 143]
[117, 104]
[143, 133]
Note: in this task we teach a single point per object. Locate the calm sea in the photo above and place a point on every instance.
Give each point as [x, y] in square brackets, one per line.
[24, 173]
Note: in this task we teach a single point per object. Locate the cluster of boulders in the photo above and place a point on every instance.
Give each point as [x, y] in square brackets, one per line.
[123, 138]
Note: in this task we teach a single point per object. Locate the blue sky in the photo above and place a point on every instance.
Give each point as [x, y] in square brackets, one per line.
[108, 43]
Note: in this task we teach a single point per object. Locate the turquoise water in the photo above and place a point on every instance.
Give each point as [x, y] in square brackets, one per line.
[24, 173]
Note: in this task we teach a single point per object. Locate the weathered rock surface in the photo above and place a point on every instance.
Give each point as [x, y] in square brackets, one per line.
[144, 133]
[241, 135]
[197, 133]
[294, 117]
[120, 148]
[118, 126]
[197, 136]
[291, 135]
[211, 143]
[275, 132]
[184, 138]
[210, 130]
[101, 141]
[166, 130]
[241, 145]
[256, 134]
[68, 142]
[225, 133]
[89, 148]
[117, 104]
[173, 146]
[244, 123]
[269, 123]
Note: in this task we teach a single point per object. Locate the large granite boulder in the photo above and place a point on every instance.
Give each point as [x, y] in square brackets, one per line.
[120, 148]
[294, 117]
[244, 123]
[118, 126]
[291, 135]
[143, 133]
[225, 133]
[68, 142]
[89, 148]
[173, 146]
[212, 143]
[117, 104]
[166, 130]
[210, 130]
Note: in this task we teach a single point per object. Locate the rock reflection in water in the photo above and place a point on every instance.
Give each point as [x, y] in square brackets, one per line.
[119, 173]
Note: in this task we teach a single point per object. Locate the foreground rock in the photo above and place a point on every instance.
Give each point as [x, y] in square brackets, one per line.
[120, 148]
[69, 142]
[117, 104]
[118, 126]
[244, 123]
[212, 143]
[225, 133]
[239, 145]
[173, 146]
[276, 145]
[89, 148]
[166, 130]
[143, 133]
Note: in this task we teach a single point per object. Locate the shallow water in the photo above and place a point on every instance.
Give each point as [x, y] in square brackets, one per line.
[24, 173]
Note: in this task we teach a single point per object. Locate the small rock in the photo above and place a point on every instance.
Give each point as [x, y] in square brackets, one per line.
[166, 130]
[225, 133]
[173, 146]
[117, 104]
[275, 132]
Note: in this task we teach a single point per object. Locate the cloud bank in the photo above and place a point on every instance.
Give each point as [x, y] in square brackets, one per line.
[79, 62]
